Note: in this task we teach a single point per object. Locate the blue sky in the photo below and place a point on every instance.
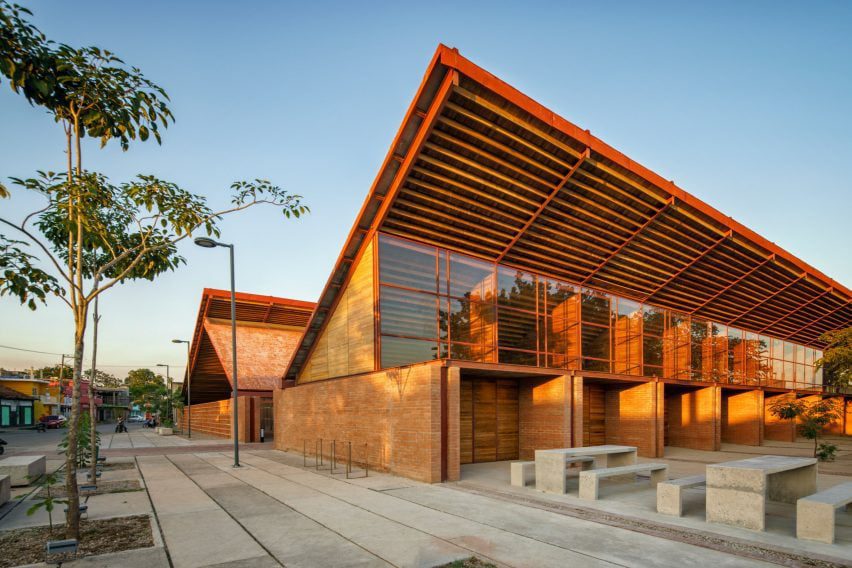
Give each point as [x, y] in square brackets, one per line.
[744, 104]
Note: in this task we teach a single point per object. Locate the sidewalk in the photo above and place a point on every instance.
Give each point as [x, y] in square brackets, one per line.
[271, 511]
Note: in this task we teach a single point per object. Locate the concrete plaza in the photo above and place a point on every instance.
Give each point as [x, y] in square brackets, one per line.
[272, 511]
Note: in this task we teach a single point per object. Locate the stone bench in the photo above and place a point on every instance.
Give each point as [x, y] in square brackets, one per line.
[670, 493]
[815, 513]
[5, 489]
[23, 470]
[162, 431]
[590, 480]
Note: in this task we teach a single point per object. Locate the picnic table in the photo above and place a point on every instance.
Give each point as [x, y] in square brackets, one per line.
[737, 491]
[550, 474]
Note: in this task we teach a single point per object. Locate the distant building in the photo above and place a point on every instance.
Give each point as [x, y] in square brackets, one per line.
[268, 330]
[115, 403]
[16, 408]
[45, 400]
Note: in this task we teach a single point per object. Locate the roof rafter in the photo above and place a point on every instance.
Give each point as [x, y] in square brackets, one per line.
[766, 299]
[583, 157]
[796, 309]
[635, 234]
[769, 259]
[683, 269]
[818, 320]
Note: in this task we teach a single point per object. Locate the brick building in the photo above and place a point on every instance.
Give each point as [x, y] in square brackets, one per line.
[513, 283]
[268, 331]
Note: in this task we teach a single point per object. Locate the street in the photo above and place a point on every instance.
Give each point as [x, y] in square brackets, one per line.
[31, 440]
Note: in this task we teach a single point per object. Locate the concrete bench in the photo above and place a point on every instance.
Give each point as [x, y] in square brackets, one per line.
[5, 489]
[590, 480]
[815, 513]
[670, 493]
[522, 473]
[23, 470]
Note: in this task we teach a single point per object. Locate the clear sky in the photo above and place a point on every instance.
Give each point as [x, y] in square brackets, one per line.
[744, 104]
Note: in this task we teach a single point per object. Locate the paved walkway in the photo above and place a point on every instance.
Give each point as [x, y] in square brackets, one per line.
[272, 512]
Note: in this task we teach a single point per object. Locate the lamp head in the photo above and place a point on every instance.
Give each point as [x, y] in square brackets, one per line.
[206, 242]
[179, 341]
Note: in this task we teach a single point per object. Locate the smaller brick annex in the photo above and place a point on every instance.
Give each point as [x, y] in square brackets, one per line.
[268, 331]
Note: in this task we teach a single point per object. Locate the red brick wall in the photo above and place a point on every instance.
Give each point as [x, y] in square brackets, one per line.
[391, 417]
[838, 426]
[212, 418]
[544, 415]
[775, 428]
[692, 418]
[634, 417]
[742, 417]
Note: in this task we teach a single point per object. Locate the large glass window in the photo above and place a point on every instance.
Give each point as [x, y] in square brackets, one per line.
[654, 327]
[627, 337]
[409, 314]
[407, 264]
[471, 278]
[435, 303]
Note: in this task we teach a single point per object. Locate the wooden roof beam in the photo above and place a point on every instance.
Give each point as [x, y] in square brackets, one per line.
[685, 268]
[766, 299]
[583, 157]
[735, 282]
[818, 320]
[629, 240]
[795, 310]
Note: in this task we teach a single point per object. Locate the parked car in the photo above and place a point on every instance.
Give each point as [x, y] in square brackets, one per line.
[53, 421]
[136, 418]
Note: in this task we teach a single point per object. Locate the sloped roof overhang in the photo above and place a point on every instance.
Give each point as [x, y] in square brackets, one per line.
[480, 168]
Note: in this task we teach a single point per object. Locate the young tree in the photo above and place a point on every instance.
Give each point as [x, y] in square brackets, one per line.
[812, 416]
[836, 360]
[90, 233]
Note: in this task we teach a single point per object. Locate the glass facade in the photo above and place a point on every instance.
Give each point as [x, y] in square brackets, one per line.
[434, 304]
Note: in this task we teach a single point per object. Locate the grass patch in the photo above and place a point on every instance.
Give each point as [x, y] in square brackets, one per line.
[27, 546]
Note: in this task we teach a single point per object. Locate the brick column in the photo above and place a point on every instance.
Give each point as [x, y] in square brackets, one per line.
[453, 430]
[693, 419]
[742, 417]
[544, 414]
[774, 428]
[635, 417]
[577, 411]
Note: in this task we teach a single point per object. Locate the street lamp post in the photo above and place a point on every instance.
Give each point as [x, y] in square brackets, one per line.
[188, 390]
[169, 387]
[207, 242]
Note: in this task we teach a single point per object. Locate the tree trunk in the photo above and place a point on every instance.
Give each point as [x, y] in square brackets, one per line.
[93, 411]
[72, 517]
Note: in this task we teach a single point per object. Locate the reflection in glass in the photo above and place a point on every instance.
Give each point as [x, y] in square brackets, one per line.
[408, 313]
[407, 264]
[398, 351]
[515, 289]
[471, 278]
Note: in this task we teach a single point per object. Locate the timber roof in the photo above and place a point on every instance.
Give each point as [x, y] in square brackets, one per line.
[268, 332]
[479, 167]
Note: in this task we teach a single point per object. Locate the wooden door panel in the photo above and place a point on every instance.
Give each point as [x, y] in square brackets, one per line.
[507, 419]
[594, 416]
[484, 420]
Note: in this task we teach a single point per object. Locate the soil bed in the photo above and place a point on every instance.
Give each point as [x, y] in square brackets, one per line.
[115, 466]
[26, 546]
[472, 562]
[103, 487]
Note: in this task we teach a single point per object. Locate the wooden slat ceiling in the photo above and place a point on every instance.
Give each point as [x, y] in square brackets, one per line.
[492, 181]
[480, 168]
